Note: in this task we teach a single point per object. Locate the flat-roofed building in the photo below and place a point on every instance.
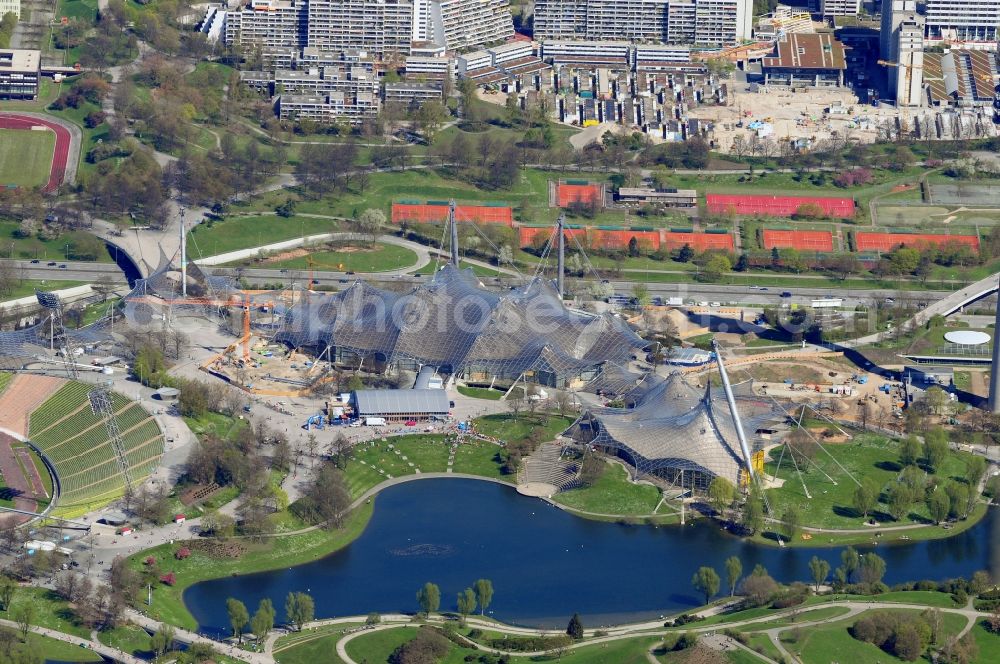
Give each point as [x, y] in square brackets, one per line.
[586, 53]
[675, 198]
[19, 72]
[395, 405]
[462, 24]
[804, 59]
[267, 24]
[963, 20]
[330, 108]
[840, 7]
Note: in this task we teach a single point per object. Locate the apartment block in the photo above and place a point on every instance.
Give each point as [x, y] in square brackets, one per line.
[267, 25]
[328, 109]
[963, 20]
[10, 7]
[613, 54]
[462, 24]
[840, 7]
[383, 27]
[703, 22]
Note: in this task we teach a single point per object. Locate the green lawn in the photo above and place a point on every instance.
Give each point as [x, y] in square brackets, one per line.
[613, 493]
[377, 257]
[828, 504]
[128, 638]
[168, 605]
[215, 424]
[376, 647]
[317, 645]
[61, 651]
[477, 457]
[988, 642]
[25, 157]
[480, 392]
[32, 247]
[506, 427]
[27, 287]
[233, 233]
[762, 643]
[50, 611]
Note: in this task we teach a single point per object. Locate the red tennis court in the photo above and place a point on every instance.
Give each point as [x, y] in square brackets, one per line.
[777, 206]
[60, 155]
[430, 213]
[589, 194]
[803, 240]
[608, 239]
[888, 241]
[698, 241]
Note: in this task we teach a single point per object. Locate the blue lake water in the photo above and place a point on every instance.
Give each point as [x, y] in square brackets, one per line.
[545, 564]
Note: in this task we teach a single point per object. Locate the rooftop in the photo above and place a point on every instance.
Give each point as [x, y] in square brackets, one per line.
[808, 51]
[401, 401]
[19, 60]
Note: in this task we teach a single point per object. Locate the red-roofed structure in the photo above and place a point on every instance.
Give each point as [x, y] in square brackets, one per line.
[424, 214]
[803, 240]
[864, 241]
[777, 206]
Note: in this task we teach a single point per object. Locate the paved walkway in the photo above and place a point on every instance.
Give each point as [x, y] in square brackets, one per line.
[186, 636]
[85, 642]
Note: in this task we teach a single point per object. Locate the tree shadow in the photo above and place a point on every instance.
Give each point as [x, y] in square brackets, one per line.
[846, 512]
[891, 466]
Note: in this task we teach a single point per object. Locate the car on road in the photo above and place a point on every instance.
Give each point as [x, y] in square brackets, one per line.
[35, 261]
[51, 263]
[754, 287]
[349, 272]
[890, 300]
[716, 304]
[283, 270]
[786, 293]
[63, 266]
[763, 287]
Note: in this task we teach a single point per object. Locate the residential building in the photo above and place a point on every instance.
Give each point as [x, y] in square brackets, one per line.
[10, 7]
[806, 60]
[383, 27]
[902, 46]
[464, 24]
[328, 109]
[840, 7]
[267, 25]
[963, 20]
[704, 22]
[586, 53]
[406, 93]
[19, 72]
[431, 68]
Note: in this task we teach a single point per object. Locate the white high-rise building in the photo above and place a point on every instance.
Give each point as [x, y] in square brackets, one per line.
[902, 47]
[704, 22]
[10, 7]
[963, 20]
[465, 24]
[382, 27]
[267, 25]
[840, 7]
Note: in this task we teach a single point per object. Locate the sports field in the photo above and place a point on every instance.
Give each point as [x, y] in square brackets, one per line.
[25, 157]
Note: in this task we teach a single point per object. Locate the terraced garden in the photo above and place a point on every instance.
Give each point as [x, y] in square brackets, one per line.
[76, 442]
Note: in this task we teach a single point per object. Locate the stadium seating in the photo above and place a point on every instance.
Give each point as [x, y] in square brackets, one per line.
[76, 441]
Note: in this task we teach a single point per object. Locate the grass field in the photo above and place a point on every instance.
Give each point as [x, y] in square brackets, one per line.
[128, 638]
[25, 157]
[12, 246]
[378, 257]
[168, 605]
[27, 287]
[317, 645]
[829, 506]
[54, 650]
[988, 642]
[236, 233]
[480, 393]
[613, 493]
[508, 428]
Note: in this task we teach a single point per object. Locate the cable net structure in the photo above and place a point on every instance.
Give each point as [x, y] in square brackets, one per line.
[679, 432]
[451, 322]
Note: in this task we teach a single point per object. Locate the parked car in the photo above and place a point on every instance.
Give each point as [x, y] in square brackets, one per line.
[411, 423]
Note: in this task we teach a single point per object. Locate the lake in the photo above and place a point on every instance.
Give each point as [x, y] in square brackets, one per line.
[545, 563]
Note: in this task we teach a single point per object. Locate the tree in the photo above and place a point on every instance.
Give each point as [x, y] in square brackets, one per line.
[865, 499]
[706, 581]
[238, 616]
[975, 469]
[162, 640]
[938, 504]
[958, 495]
[7, 590]
[300, 609]
[909, 451]
[371, 221]
[24, 614]
[935, 446]
[484, 594]
[429, 598]
[820, 569]
[791, 522]
[849, 562]
[900, 499]
[721, 493]
[871, 568]
[753, 513]
[263, 620]
[575, 627]
[716, 266]
[466, 603]
[640, 293]
[734, 570]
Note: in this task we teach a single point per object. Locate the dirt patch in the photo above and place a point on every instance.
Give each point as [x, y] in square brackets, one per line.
[218, 549]
[300, 252]
[286, 255]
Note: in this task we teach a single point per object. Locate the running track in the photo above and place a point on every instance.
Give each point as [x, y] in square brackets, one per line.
[61, 153]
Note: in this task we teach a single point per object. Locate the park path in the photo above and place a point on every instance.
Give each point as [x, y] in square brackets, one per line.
[113, 654]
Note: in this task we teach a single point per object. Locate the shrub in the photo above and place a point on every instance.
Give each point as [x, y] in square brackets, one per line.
[169, 578]
[182, 553]
[149, 561]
